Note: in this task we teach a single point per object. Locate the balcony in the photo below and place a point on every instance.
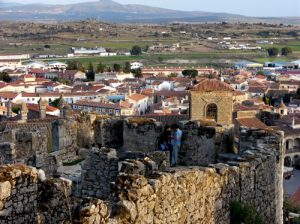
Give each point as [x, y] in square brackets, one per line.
[293, 150]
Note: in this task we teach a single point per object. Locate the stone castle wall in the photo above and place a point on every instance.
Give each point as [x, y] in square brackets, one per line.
[198, 145]
[98, 171]
[109, 132]
[7, 153]
[27, 142]
[18, 194]
[181, 195]
[141, 136]
[200, 195]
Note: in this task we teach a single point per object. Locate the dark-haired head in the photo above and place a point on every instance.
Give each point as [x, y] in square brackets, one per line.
[174, 126]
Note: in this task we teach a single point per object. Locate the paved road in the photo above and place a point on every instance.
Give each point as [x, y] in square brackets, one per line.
[291, 185]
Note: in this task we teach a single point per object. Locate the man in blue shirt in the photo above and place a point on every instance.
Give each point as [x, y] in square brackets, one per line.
[176, 142]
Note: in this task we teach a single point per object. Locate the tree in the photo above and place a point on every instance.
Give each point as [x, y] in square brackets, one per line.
[286, 51]
[5, 77]
[55, 103]
[146, 48]
[127, 67]
[136, 50]
[190, 73]
[241, 213]
[266, 100]
[160, 59]
[173, 74]
[75, 65]
[137, 73]
[100, 68]
[16, 109]
[90, 74]
[273, 51]
[117, 68]
[260, 72]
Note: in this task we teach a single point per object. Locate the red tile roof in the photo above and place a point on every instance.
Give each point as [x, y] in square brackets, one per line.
[252, 122]
[209, 85]
[97, 104]
[9, 95]
[35, 107]
[137, 97]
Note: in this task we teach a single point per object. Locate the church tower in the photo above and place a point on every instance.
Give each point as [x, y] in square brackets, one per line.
[212, 100]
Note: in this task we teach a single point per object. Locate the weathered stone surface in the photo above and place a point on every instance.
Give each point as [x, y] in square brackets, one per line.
[99, 170]
[5, 190]
[18, 194]
[141, 137]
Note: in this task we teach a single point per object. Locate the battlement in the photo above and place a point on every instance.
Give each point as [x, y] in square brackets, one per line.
[137, 182]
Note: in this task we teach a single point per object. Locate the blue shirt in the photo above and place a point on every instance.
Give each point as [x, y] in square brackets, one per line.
[177, 137]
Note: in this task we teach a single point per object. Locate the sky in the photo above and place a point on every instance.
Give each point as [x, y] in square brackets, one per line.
[243, 7]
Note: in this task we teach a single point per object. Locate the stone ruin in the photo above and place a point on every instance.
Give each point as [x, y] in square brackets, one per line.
[134, 183]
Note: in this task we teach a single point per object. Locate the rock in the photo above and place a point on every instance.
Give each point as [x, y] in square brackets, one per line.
[5, 190]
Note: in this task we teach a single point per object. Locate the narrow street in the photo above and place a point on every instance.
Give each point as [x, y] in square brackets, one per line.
[291, 185]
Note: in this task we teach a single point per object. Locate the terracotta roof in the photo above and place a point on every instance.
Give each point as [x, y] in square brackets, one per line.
[124, 104]
[257, 89]
[209, 85]
[35, 107]
[239, 93]
[156, 83]
[97, 104]
[9, 95]
[261, 76]
[148, 92]
[137, 97]
[170, 93]
[2, 84]
[252, 122]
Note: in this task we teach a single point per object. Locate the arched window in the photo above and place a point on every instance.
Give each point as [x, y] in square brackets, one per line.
[212, 112]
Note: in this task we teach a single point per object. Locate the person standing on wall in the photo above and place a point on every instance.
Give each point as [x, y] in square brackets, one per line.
[176, 142]
[165, 141]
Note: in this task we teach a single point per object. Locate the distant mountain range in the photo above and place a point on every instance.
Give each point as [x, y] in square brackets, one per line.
[108, 10]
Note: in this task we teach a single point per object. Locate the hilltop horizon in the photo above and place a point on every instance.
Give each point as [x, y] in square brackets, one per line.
[113, 11]
[214, 6]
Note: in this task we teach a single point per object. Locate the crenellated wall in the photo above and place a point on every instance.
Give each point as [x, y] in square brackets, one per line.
[141, 135]
[108, 132]
[180, 195]
[202, 194]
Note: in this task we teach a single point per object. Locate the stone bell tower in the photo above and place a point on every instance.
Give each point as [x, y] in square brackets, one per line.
[212, 100]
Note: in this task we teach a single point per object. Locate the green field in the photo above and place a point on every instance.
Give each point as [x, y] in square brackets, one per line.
[192, 59]
[294, 45]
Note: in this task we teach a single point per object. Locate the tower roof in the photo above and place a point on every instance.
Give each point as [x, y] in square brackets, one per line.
[209, 85]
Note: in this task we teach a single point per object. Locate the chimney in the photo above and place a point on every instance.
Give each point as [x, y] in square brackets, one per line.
[24, 113]
[9, 109]
[43, 107]
[130, 90]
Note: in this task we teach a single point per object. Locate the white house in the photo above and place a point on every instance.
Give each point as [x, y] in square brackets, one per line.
[239, 84]
[57, 65]
[136, 65]
[139, 103]
[159, 85]
[37, 65]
